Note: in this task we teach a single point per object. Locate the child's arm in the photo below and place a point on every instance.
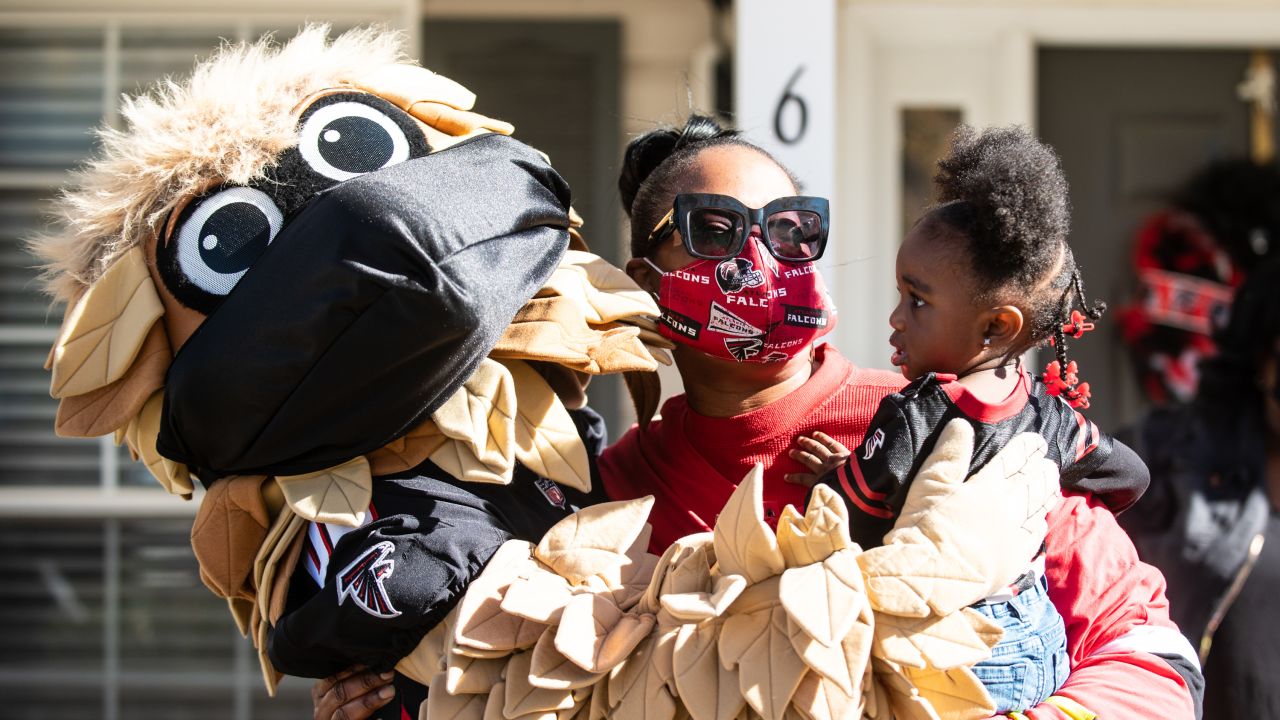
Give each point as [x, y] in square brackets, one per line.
[821, 453]
[1093, 462]
[873, 478]
[1118, 481]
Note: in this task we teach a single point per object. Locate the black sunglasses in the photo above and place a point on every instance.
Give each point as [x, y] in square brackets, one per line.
[716, 227]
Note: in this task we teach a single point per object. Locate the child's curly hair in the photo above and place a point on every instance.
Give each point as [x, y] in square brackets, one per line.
[1003, 193]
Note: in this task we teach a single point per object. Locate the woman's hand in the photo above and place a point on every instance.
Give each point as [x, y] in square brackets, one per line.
[821, 453]
[353, 694]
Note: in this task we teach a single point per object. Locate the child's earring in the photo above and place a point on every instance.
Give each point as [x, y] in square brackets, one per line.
[986, 343]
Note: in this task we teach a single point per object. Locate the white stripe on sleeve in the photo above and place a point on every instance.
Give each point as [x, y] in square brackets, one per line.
[1154, 639]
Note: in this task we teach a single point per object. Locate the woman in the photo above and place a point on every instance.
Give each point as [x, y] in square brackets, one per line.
[729, 417]
[753, 383]
[1211, 520]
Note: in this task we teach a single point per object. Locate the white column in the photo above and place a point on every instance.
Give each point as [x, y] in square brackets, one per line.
[784, 85]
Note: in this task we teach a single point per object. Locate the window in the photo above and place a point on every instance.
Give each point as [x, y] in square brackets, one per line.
[105, 615]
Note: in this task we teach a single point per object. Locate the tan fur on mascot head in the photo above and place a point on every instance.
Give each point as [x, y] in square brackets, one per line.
[313, 281]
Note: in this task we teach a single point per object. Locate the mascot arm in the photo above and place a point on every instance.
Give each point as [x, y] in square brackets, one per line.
[388, 582]
[441, 533]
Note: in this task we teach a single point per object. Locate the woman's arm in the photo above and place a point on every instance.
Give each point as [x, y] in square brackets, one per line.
[1128, 659]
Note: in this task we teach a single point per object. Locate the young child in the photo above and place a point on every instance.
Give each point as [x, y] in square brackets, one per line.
[983, 277]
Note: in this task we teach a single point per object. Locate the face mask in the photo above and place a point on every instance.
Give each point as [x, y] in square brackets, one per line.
[749, 308]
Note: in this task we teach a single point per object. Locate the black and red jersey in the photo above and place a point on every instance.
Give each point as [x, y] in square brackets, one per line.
[875, 479]
[368, 595]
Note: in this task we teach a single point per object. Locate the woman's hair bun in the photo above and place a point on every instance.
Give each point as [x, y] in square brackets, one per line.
[647, 152]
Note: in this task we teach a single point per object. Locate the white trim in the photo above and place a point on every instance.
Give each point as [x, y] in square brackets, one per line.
[92, 503]
[32, 179]
[1018, 77]
[410, 22]
[332, 532]
[858, 275]
[149, 678]
[391, 14]
[1211, 24]
[108, 464]
[28, 334]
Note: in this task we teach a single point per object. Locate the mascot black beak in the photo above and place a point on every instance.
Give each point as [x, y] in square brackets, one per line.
[364, 312]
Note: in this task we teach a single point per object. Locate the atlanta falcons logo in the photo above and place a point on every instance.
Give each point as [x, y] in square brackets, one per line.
[873, 443]
[362, 581]
[734, 274]
[743, 349]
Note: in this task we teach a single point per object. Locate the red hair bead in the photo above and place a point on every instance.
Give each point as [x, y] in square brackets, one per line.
[1077, 326]
[1068, 385]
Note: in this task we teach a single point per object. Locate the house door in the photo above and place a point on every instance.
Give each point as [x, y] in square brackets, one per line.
[1131, 126]
[558, 83]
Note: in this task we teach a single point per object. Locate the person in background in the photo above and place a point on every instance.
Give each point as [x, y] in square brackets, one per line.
[702, 202]
[1211, 519]
[1188, 260]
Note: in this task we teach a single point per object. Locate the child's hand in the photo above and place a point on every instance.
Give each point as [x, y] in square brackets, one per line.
[820, 453]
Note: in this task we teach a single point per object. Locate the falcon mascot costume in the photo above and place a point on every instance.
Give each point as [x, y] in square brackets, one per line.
[312, 283]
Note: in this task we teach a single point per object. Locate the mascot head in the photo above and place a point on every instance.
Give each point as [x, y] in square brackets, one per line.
[293, 258]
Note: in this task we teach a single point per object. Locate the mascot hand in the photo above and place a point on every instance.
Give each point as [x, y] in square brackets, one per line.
[957, 542]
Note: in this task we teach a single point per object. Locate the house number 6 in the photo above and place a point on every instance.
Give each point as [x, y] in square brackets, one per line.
[791, 99]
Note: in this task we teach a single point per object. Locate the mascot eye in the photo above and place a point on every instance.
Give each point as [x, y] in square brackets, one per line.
[224, 235]
[346, 139]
